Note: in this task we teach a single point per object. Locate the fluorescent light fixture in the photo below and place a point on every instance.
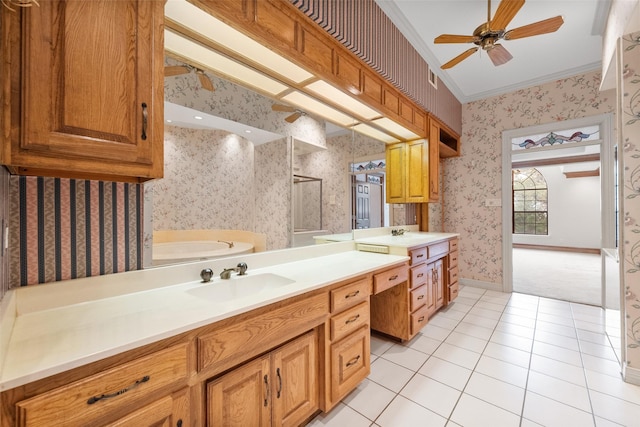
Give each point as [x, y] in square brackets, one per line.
[330, 93]
[312, 105]
[395, 128]
[201, 22]
[374, 133]
[209, 59]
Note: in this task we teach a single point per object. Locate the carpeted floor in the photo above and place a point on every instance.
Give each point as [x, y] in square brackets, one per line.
[568, 276]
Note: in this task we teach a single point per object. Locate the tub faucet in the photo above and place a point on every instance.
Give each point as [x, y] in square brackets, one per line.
[228, 243]
[241, 269]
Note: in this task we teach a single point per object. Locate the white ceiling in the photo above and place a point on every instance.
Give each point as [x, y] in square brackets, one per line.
[575, 48]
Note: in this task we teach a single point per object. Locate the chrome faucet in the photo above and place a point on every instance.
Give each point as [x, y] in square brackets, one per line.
[398, 232]
[241, 269]
[228, 243]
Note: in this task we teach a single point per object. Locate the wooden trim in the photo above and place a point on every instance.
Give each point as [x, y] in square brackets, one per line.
[557, 248]
[556, 161]
[582, 174]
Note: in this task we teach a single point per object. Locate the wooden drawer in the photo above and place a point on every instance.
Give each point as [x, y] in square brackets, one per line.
[350, 295]
[419, 275]
[438, 249]
[419, 319]
[453, 291]
[418, 298]
[453, 275]
[230, 345]
[453, 259]
[453, 245]
[418, 255]
[349, 363]
[84, 401]
[348, 321]
[390, 278]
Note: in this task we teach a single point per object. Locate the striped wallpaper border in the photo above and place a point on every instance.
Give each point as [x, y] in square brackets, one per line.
[65, 229]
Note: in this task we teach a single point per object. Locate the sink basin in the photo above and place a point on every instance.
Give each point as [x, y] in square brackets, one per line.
[238, 287]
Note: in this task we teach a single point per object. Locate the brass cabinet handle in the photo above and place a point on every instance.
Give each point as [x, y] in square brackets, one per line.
[145, 118]
[420, 319]
[420, 297]
[353, 361]
[419, 255]
[352, 294]
[266, 390]
[394, 277]
[95, 399]
[279, 390]
[352, 319]
[421, 274]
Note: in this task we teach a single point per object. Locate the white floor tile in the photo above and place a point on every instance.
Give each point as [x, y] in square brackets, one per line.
[389, 375]
[613, 387]
[562, 391]
[556, 311]
[510, 340]
[529, 423]
[379, 344]
[551, 413]
[499, 393]
[517, 320]
[474, 330]
[523, 312]
[466, 341]
[554, 368]
[403, 412]
[557, 353]
[603, 351]
[405, 356]
[431, 394]
[614, 409]
[444, 322]
[601, 422]
[459, 306]
[473, 412]
[478, 320]
[452, 314]
[593, 337]
[503, 371]
[435, 332]
[588, 326]
[559, 340]
[567, 331]
[557, 320]
[521, 331]
[423, 344]
[604, 366]
[341, 416]
[485, 312]
[457, 355]
[508, 354]
[597, 318]
[369, 399]
[491, 304]
[446, 372]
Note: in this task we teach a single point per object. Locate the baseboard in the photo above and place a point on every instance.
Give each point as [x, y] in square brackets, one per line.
[557, 248]
[480, 284]
[631, 375]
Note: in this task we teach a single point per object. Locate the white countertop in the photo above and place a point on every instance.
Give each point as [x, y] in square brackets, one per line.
[45, 339]
[408, 240]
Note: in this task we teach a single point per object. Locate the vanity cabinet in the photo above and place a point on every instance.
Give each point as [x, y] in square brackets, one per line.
[278, 389]
[85, 90]
[452, 258]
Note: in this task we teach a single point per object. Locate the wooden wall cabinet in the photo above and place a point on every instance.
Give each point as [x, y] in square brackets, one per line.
[408, 172]
[278, 389]
[88, 79]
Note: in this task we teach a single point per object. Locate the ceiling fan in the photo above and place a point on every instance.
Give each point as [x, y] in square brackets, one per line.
[297, 113]
[176, 70]
[487, 34]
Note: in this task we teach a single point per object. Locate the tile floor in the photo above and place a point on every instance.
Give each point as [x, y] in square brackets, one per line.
[492, 359]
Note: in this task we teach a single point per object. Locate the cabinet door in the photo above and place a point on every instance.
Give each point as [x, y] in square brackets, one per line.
[395, 173]
[417, 171]
[170, 411]
[242, 397]
[438, 272]
[434, 161]
[295, 383]
[431, 291]
[93, 88]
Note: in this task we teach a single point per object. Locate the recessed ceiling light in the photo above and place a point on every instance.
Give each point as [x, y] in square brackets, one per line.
[169, 121]
[197, 117]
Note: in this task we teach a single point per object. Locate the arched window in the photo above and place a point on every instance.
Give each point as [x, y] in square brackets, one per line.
[530, 205]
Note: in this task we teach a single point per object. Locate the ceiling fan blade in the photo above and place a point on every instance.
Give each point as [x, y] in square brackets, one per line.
[499, 55]
[541, 27]
[453, 38]
[283, 108]
[175, 70]
[292, 118]
[464, 55]
[205, 82]
[507, 9]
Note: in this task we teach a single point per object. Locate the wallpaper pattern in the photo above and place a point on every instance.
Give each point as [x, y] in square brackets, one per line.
[631, 193]
[476, 175]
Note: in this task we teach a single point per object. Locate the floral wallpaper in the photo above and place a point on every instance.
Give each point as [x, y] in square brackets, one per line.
[476, 175]
[630, 189]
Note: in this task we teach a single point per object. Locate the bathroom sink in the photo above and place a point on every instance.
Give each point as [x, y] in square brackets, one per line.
[238, 287]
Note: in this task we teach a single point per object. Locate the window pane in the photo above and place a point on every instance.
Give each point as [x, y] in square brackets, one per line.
[530, 203]
[530, 206]
[518, 229]
[518, 218]
[530, 229]
[541, 228]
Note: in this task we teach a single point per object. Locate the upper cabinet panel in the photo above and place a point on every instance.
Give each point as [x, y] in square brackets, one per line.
[92, 90]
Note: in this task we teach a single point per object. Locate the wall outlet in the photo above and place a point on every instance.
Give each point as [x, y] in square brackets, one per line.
[332, 199]
[493, 202]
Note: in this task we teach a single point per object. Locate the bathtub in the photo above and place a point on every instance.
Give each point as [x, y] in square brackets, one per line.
[194, 250]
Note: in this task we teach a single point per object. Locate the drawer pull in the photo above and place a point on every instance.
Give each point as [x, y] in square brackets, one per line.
[353, 361]
[421, 274]
[352, 294]
[266, 390]
[394, 277]
[420, 297]
[352, 319]
[420, 319]
[279, 390]
[95, 399]
[145, 119]
[419, 255]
